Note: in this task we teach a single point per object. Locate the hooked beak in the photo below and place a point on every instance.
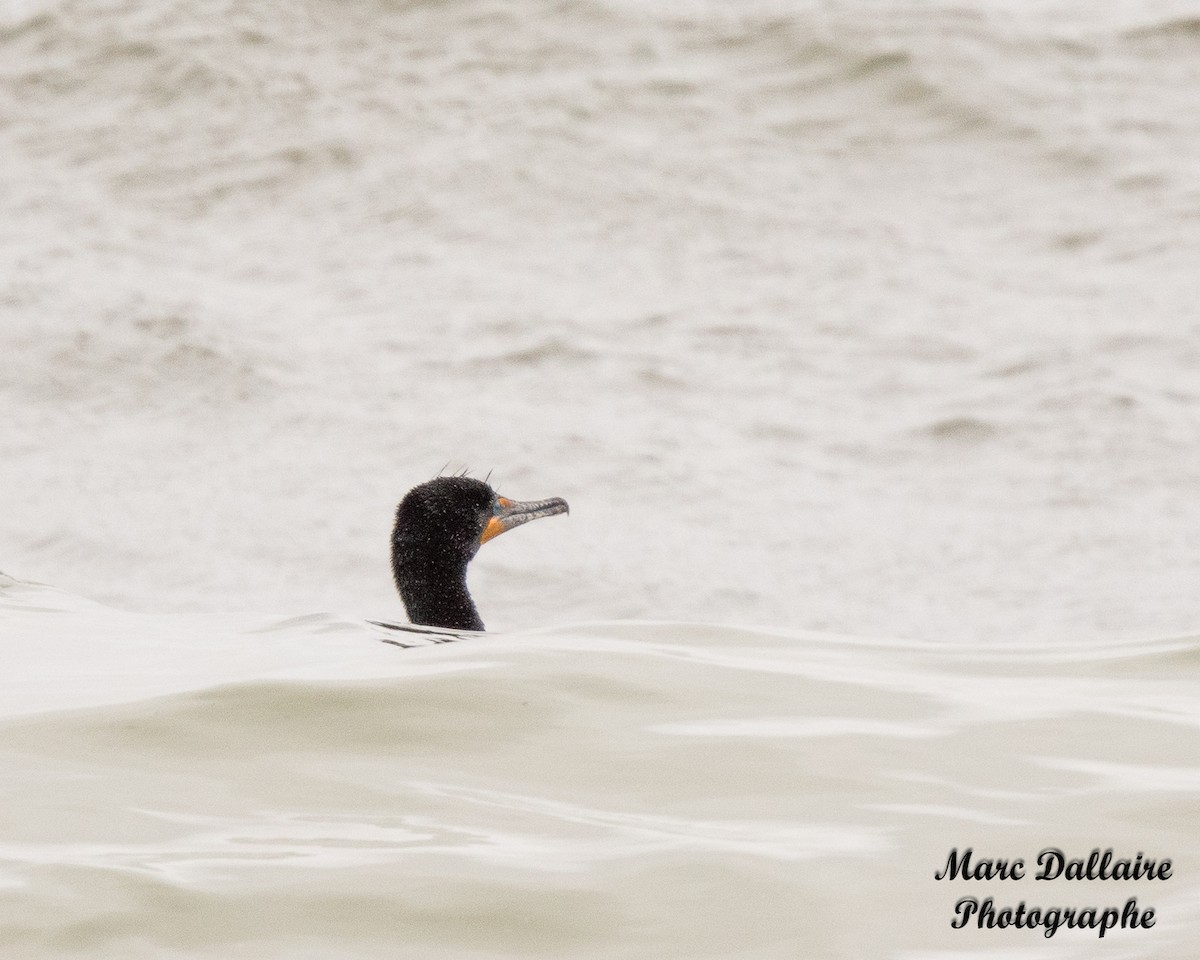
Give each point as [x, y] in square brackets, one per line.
[512, 513]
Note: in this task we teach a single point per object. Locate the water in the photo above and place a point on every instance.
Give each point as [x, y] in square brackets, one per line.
[832, 321]
[294, 787]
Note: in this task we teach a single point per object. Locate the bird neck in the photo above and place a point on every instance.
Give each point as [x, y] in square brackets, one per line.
[435, 593]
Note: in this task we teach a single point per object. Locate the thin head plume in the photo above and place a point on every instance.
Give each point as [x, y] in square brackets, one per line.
[445, 466]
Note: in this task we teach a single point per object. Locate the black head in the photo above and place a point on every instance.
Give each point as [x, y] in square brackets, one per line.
[443, 520]
[440, 526]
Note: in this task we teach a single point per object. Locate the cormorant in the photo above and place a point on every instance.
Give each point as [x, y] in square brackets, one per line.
[440, 526]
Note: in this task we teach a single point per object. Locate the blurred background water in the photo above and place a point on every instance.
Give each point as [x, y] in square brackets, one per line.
[869, 318]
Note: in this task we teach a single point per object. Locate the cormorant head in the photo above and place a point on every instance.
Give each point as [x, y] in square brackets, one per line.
[445, 518]
[440, 526]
